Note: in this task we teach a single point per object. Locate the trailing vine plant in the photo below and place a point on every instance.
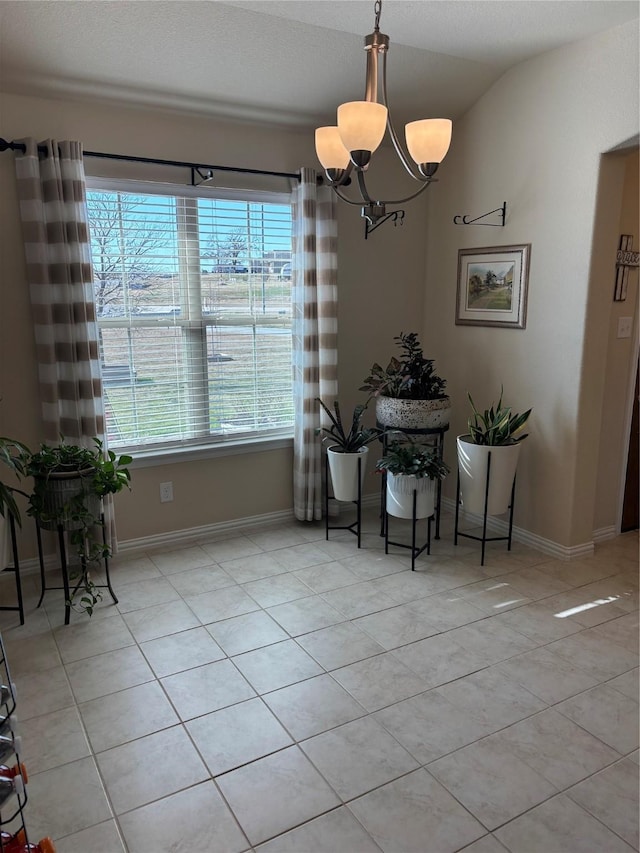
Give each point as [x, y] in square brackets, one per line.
[95, 473]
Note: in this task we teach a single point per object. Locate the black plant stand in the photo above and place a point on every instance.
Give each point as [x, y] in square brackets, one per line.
[356, 526]
[434, 437]
[14, 568]
[484, 538]
[64, 567]
[415, 549]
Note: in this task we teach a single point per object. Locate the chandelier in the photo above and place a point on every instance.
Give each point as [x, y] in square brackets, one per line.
[361, 127]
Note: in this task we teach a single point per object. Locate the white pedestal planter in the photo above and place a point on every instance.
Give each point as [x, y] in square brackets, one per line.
[413, 414]
[472, 468]
[400, 492]
[344, 472]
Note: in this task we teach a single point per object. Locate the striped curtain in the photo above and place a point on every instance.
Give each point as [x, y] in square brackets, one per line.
[315, 327]
[52, 195]
[51, 189]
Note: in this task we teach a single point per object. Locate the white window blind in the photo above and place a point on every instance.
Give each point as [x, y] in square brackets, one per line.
[193, 299]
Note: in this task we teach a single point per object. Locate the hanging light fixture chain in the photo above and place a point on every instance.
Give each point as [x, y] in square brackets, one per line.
[377, 8]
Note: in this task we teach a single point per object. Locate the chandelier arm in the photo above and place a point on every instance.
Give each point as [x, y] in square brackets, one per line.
[347, 173]
[413, 195]
[392, 131]
[366, 196]
[342, 196]
[409, 197]
[363, 187]
[371, 78]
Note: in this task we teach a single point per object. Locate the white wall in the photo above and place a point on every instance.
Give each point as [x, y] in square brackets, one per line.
[621, 352]
[536, 139]
[381, 285]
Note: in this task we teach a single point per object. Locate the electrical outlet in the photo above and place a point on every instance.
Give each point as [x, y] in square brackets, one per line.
[166, 492]
[624, 327]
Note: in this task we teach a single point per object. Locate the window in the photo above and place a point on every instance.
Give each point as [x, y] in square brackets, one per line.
[193, 300]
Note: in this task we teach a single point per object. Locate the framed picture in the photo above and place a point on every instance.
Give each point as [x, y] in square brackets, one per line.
[492, 286]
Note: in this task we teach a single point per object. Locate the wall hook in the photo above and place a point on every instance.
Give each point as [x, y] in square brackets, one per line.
[465, 220]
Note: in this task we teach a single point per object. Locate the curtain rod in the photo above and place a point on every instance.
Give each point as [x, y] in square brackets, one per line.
[20, 146]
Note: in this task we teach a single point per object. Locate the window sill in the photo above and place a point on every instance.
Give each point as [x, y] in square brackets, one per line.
[171, 456]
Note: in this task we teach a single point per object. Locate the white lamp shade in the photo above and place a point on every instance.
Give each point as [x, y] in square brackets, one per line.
[428, 140]
[329, 148]
[361, 125]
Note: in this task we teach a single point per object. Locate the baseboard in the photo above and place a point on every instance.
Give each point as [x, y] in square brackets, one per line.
[604, 533]
[547, 546]
[32, 565]
[371, 500]
[192, 534]
[174, 537]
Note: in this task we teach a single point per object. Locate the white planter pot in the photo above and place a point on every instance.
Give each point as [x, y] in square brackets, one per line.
[413, 414]
[344, 472]
[472, 466]
[400, 491]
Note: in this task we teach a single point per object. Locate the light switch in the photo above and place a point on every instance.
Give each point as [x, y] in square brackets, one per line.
[624, 327]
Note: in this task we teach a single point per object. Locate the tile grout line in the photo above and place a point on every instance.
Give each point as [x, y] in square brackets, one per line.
[367, 714]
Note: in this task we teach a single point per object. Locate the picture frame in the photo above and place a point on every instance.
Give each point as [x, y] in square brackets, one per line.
[492, 286]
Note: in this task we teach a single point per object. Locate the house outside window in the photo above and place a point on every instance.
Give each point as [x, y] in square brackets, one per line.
[193, 302]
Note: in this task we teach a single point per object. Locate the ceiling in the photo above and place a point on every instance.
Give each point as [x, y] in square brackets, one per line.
[285, 62]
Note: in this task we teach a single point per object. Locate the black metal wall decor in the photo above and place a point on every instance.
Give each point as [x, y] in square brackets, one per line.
[626, 259]
[466, 218]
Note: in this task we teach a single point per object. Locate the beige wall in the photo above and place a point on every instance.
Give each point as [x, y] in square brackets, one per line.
[621, 352]
[381, 283]
[536, 139]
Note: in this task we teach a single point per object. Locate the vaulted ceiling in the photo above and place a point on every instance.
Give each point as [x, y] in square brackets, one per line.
[286, 62]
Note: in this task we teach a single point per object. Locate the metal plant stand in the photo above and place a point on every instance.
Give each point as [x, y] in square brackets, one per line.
[64, 567]
[356, 526]
[415, 549]
[15, 568]
[484, 538]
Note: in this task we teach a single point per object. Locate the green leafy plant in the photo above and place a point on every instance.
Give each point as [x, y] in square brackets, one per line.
[98, 473]
[357, 437]
[11, 454]
[420, 460]
[496, 426]
[410, 377]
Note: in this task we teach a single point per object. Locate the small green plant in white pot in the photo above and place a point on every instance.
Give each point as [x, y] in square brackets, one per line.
[345, 448]
[498, 433]
[411, 468]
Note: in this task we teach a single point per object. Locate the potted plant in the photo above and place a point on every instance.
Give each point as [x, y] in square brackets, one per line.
[497, 432]
[411, 467]
[11, 455]
[346, 448]
[409, 394]
[69, 483]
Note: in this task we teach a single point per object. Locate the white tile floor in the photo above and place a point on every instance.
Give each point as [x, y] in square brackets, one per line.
[275, 692]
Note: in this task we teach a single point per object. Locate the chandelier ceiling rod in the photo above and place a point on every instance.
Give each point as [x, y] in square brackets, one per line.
[361, 127]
